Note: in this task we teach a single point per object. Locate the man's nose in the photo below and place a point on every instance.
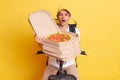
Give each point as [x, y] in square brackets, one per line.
[63, 16]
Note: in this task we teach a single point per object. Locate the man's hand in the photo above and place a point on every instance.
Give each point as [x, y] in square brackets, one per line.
[39, 39]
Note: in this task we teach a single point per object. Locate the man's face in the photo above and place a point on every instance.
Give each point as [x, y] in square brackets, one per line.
[63, 17]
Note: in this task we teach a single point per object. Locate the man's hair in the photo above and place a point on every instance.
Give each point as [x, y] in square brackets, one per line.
[63, 10]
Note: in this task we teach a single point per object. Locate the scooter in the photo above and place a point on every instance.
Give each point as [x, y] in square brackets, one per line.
[62, 74]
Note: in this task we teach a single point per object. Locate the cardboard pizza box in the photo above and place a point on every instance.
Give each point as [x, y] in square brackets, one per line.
[64, 51]
[62, 45]
[61, 49]
[72, 35]
[56, 46]
[64, 56]
[43, 25]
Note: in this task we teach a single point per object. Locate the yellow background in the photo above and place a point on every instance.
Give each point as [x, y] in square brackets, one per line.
[99, 24]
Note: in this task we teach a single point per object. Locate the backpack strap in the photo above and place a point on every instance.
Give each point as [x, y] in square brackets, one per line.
[72, 28]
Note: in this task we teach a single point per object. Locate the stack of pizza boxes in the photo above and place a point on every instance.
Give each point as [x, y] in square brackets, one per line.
[44, 25]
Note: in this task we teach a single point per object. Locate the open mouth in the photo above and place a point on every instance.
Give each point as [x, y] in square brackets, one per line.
[63, 20]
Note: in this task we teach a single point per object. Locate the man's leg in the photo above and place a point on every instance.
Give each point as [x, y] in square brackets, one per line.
[50, 70]
[72, 70]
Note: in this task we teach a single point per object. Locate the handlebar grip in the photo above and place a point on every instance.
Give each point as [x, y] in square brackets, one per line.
[83, 53]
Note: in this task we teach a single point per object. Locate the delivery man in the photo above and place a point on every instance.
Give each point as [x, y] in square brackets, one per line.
[63, 16]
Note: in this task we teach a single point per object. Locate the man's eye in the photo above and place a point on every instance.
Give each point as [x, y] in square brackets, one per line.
[66, 14]
[60, 14]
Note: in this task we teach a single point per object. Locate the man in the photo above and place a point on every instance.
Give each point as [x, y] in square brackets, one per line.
[63, 17]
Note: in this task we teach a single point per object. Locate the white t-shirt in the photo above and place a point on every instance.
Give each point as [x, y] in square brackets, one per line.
[53, 62]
